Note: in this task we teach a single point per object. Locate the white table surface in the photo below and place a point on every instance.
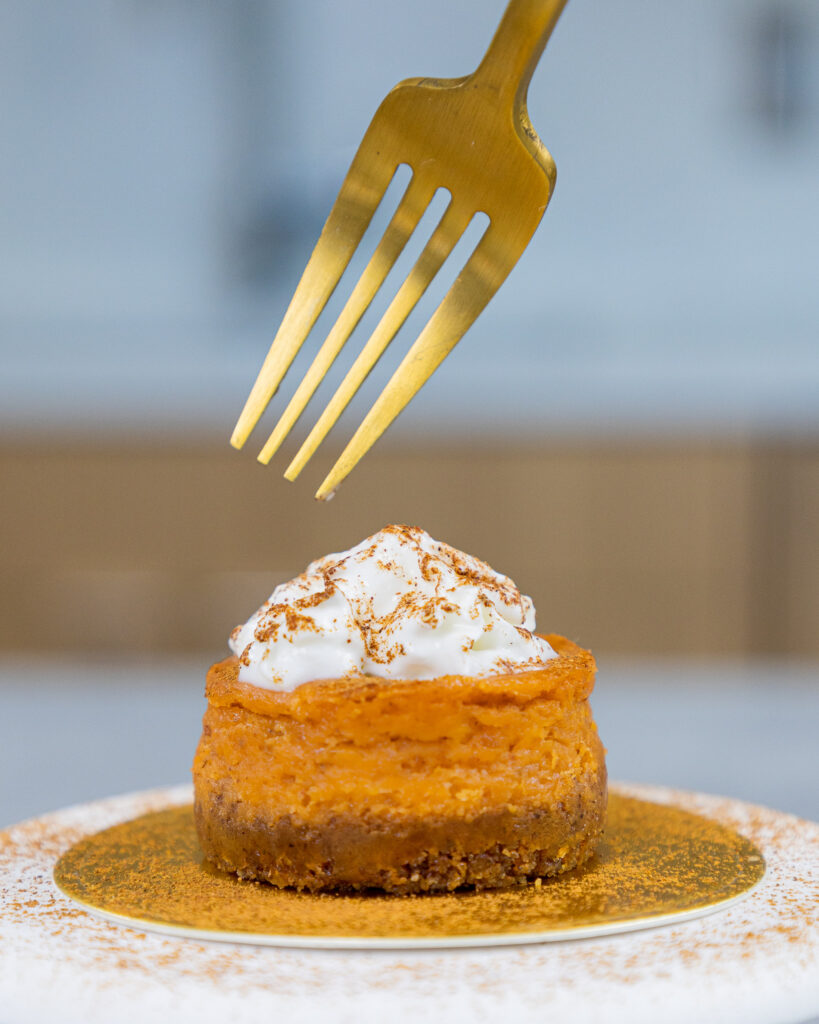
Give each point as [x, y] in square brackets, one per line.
[72, 731]
[753, 962]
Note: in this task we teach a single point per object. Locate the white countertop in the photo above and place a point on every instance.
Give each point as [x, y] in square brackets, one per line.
[752, 962]
[73, 731]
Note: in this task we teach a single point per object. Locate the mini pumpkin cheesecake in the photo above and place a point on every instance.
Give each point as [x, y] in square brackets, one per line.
[390, 720]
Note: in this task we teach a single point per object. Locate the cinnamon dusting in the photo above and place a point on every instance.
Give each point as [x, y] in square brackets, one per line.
[772, 936]
[655, 860]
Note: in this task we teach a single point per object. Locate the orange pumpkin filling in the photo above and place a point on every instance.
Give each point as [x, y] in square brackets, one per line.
[407, 786]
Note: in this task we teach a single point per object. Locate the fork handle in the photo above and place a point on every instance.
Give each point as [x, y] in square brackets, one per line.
[516, 47]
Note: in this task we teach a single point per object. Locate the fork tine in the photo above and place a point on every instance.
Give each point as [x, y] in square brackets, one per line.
[404, 221]
[441, 243]
[483, 274]
[360, 194]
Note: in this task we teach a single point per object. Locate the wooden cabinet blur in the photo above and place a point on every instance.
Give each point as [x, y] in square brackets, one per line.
[637, 548]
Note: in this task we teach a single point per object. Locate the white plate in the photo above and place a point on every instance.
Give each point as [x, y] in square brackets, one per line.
[756, 962]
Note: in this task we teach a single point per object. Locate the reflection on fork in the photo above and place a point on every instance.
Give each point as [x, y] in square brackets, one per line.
[471, 136]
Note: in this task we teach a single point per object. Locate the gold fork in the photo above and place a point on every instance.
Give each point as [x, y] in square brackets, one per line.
[469, 135]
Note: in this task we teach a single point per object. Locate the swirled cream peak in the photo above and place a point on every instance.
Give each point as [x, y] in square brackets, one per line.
[399, 605]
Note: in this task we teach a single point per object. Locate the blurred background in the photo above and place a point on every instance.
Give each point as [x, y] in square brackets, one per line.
[631, 430]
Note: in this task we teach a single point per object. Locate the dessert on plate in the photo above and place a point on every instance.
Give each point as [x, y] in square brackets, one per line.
[390, 719]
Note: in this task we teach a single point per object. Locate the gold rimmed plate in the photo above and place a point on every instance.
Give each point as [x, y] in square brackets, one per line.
[657, 864]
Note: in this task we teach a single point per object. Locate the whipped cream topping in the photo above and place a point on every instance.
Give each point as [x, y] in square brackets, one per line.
[399, 605]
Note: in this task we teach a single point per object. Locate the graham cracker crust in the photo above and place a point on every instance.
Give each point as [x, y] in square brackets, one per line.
[496, 849]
